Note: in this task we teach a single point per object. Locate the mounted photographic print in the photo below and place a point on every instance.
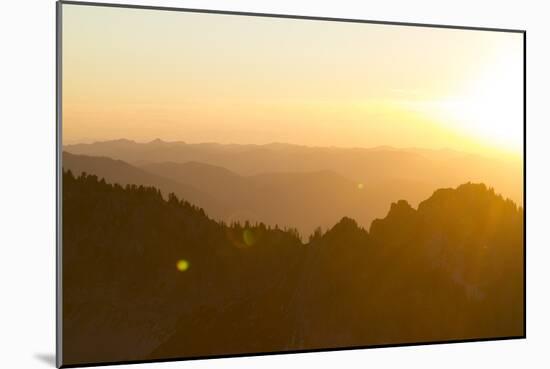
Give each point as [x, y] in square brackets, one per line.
[239, 184]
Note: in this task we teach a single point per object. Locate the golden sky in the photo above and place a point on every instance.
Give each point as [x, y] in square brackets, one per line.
[146, 74]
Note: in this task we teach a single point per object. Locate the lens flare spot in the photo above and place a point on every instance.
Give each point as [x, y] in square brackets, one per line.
[182, 265]
[249, 237]
[360, 186]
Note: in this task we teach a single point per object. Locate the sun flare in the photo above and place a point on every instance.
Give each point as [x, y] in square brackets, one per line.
[487, 108]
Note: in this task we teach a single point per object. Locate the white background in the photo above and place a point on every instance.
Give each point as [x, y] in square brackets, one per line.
[27, 185]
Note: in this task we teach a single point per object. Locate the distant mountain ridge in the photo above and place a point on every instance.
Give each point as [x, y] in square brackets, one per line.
[302, 200]
[412, 172]
[300, 186]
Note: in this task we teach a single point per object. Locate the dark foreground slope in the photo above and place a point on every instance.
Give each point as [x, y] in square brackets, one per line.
[450, 270]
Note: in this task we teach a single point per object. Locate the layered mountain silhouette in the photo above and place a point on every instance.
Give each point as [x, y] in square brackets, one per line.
[450, 268]
[303, 200]
[283, 199]
[410, 174]
[117, 171]
[289, 185]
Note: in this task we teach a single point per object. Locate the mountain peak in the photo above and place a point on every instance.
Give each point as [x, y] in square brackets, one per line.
[400, 210]
[347, 227]
[117, 141]
[401, 206]
[463, 196]
[157, 141]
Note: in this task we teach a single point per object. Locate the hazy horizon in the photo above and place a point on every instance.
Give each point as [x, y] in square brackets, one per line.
[266, 143]
[252, 80]
[503, 155]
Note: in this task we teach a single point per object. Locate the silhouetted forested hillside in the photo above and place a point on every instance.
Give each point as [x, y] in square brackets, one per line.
[450, 270]
[118, 171]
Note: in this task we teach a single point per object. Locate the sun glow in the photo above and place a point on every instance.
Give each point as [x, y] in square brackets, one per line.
[484, 109]
[254, 82]
[481, 115]
[489, 107]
